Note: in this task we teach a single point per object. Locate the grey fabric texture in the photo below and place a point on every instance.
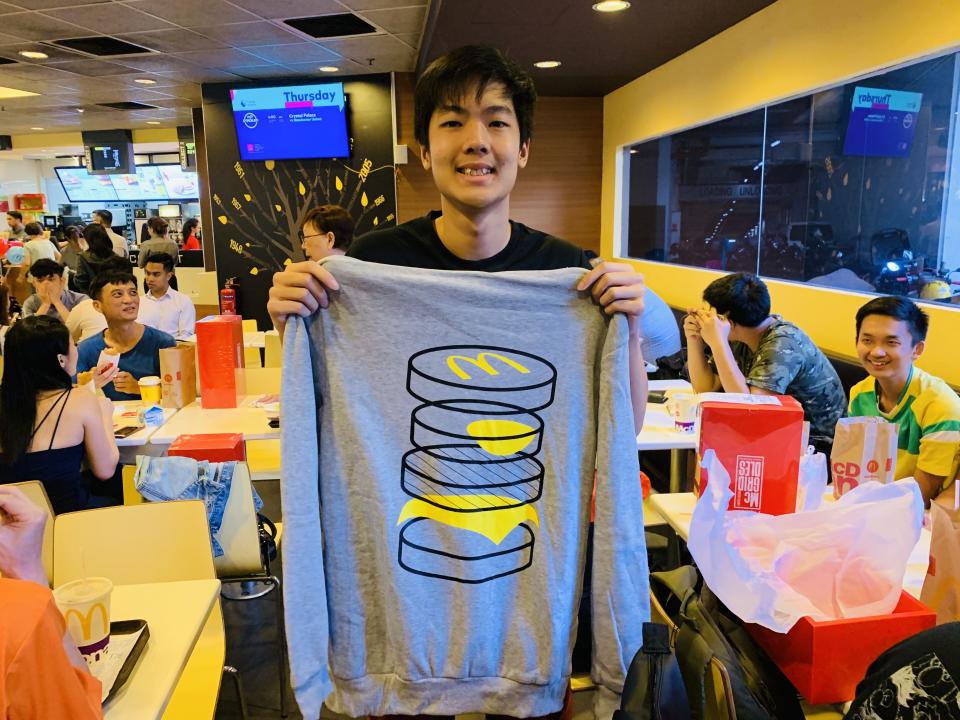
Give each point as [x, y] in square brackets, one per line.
[440, 431]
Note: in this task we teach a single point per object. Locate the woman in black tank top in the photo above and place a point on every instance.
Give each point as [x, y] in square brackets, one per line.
[39, 360]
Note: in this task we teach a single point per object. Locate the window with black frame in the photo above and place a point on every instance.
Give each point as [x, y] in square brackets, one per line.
[846, 188]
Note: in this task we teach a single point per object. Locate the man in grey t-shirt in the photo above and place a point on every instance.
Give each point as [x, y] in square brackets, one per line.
[51, 296]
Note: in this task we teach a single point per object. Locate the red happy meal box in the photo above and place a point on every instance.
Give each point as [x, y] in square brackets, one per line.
[220, 356]
[758, 443]
[213, 447]
[826, 659]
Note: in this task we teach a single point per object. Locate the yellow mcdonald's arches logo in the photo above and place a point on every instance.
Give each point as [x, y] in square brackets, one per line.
[86, 619]
[482, 362]
[494, 524]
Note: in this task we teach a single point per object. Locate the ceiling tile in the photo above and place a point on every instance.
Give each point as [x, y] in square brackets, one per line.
[7, 9]
[387, 52]
[202, 75]
[47, 4]
[222, 58]
[399, 20]
[286, 54]
[290, 8]
[249, 34]
[33, 26]
[171, 41]
[268, 71]
[55, 53]
[379, 4]
[93, 68]
[345, 66]
[108, 18]
[190, 13]
[157, 63]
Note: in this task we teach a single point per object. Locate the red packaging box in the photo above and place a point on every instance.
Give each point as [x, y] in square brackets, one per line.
[220, 360]
[759, 446]
[826, 659]
[213, 447]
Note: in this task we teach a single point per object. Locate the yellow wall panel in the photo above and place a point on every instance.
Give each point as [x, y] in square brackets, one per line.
[789, 49]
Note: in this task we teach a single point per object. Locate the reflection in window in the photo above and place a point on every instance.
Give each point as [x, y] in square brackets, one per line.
[844, 188]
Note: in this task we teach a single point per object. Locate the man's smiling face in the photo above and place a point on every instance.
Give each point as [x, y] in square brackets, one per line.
[475, 149]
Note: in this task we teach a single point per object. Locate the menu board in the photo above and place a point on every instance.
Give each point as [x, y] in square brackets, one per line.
[81, 186]
[146, 184]
[180, 184]
[151, 182]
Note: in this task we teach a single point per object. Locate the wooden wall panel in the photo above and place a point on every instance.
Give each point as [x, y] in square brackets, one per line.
[559, 190]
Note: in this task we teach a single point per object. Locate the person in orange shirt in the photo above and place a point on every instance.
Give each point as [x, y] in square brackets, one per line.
[42, 674]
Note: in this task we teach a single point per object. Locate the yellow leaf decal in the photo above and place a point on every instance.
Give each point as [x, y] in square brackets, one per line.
[246, 244]
[287, 262]
[246, 197]
[339, 183]
[254, 271]
[222, 219]
[363, 200]
[301, 188]
[278, 208]
[269, 164]
[376, 221]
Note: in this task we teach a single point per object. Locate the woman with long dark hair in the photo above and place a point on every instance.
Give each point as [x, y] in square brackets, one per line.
[72, 250]
[100, 250]
[188, 233]
[46, 426]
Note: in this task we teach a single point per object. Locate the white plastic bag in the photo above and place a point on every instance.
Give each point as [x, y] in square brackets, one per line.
[844, 560]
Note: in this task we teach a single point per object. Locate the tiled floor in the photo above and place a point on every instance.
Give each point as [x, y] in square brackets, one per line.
[251, 630]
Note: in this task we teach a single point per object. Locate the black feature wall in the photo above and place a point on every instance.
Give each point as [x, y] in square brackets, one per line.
[258, 206]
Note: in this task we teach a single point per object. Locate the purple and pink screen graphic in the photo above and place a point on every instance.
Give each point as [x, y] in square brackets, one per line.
[882, 122]
[282, 123]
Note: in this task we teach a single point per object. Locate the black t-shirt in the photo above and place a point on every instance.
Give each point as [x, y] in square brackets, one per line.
[416, 244]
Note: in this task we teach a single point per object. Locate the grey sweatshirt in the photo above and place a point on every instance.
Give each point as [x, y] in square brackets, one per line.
[439, 436]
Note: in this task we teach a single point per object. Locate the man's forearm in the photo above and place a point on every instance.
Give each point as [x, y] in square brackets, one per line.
[638, 381]
[61, 310]
[731, 378]
[702, 376]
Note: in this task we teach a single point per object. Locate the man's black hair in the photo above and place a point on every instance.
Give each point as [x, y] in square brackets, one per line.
[45, 268]
[898, 308]
[33, 229]
[16, 214]
[162, 258]
[742, 297]
[448, 78]
[110, 276]
[105, 215]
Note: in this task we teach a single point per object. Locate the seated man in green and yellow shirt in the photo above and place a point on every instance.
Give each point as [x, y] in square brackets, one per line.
[891, 332]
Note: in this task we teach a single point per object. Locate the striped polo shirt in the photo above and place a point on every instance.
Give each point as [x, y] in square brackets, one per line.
[927, 415]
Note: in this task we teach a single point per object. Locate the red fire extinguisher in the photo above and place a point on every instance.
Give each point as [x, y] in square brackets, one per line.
[228, 297]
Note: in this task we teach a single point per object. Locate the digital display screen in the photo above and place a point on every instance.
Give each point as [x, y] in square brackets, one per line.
[882, 122]
[81, 186]
[180, 184]
[107, 157]
[150, 182]
[283, 123]
[188, 155]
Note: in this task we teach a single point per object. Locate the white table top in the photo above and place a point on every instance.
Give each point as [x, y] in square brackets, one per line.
[175, 613]
[658, 432]
[143, 435]
[253, 339]
[677, 510]
[251, 422]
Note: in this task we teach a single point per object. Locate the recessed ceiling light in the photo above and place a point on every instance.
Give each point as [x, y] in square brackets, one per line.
[34, 54]
[153, 122]
[79, 110]
[145, 81]
[328, 68]
[547, 64]
[611, 6]
[36, 128]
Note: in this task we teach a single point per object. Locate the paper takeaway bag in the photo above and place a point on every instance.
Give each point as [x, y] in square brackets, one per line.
[178, 376]
[864, 449]
[941, 587]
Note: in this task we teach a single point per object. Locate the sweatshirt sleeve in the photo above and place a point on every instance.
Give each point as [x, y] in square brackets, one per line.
[304, 587]
[620, 600]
